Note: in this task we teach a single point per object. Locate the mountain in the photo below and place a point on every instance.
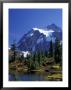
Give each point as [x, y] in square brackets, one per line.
[54, 27]
[38, 39]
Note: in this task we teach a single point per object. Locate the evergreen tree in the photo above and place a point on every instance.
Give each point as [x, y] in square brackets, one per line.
[46, 53]
[14, 52]
[35, 58]
[32, 62]
[22, 57]
[51, 49]
[60, 54]
[38, 58]
[58, 51]
[28, 60]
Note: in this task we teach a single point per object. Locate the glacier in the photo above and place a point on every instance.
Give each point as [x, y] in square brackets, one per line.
[47, 33]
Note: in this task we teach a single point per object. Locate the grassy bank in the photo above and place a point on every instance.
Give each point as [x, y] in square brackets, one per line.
[54, 71]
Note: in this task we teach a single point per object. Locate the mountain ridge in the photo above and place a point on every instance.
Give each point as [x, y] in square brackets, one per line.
[38, 39]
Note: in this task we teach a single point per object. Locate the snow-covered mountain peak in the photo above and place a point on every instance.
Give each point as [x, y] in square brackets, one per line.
[38, 39]
[44, 31]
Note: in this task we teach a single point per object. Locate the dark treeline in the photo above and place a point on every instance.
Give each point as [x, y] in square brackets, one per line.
[37, 59]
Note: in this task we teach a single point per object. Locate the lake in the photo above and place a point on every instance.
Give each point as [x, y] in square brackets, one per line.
[28, 77]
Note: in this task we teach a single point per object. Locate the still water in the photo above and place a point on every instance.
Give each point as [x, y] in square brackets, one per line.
[27, 77]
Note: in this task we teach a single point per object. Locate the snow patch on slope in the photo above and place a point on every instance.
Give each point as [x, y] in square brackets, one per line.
[45, 32]
[9, 48]
[39, 40]
[31, 34]
[25, 53]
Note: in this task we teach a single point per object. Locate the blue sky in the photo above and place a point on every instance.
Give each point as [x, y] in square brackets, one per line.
[23, 20]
